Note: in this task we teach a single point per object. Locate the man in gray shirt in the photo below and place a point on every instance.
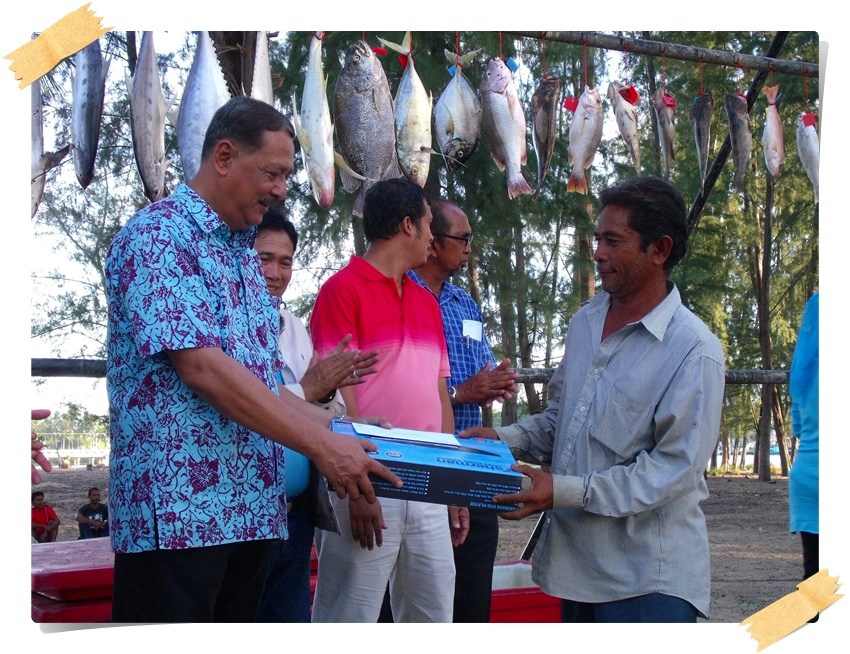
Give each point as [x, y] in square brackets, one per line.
[633, 416]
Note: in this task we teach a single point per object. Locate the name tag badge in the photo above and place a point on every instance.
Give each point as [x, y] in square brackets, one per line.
[472, 329]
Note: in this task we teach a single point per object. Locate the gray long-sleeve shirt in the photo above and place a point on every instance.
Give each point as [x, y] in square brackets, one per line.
[630, 426]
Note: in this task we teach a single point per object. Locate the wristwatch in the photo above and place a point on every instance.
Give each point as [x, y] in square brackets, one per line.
[452, 394]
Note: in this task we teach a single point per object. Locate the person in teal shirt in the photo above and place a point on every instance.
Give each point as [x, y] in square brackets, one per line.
[803, 476]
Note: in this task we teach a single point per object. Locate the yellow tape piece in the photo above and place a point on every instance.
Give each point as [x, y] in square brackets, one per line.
[794, 610]
[62, 39]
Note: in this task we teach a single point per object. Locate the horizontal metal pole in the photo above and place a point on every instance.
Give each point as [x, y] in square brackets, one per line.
[97, 368]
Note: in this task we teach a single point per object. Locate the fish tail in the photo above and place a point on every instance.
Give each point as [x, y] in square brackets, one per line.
[518, 186]
[577, 183]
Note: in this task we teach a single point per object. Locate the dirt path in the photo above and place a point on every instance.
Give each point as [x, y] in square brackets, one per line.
[754, 560]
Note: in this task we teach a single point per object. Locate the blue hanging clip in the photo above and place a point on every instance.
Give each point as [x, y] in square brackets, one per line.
[513, 65]
[451, 70]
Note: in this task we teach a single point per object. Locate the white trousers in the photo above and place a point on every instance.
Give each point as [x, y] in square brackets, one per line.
[416, 559]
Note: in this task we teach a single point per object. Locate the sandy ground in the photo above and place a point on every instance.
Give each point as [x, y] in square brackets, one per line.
[754, 559]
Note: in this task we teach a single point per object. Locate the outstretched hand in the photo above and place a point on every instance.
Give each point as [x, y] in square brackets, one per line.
[535, 499]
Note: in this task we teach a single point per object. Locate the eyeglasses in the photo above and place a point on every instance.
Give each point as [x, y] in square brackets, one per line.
[466, 239]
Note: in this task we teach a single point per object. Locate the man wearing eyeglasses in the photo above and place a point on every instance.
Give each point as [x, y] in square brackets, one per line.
[475, 380]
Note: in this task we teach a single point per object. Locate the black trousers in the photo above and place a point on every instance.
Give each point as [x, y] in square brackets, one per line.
[811, 556]
[220, 583]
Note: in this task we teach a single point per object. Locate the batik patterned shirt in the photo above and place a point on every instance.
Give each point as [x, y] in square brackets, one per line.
[181, 474]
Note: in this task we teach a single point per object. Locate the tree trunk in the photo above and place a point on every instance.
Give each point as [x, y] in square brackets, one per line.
[763, 300]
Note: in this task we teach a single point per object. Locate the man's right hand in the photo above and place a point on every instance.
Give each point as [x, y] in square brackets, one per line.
[346, 466]
[367, 523]
[488, 385]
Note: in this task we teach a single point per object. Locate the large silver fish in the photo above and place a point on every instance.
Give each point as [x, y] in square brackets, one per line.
[664, 108]
[41, 162]
[544, 125]
[147, 120]
[627, 121]
[205, 91]
[87, 89]
[412, 107]
[314, 129]
[457, 115]
[701, 119]
[808, 148]
[364, 123]
[585, 136]
[503, 122]
[261, 82]
[772, 143]
[740, 136]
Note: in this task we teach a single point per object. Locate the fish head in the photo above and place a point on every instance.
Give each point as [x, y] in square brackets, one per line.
[458, 151]
[496, 77]
[359, 63]
[590, 99]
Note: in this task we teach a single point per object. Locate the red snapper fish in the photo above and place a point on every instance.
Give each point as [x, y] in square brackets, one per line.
[585, 136]
[503, 122]
[771, 139]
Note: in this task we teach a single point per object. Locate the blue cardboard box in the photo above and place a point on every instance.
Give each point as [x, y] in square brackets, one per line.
[466, 472]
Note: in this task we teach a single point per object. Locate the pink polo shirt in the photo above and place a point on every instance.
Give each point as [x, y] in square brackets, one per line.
[406, 331]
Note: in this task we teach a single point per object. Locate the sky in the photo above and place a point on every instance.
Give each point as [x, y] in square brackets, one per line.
[22, 20]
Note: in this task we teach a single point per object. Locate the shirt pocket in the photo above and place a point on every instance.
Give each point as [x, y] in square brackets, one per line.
[621, 427]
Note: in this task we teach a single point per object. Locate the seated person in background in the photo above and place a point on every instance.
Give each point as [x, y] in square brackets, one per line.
[45, 522]
[93, 517]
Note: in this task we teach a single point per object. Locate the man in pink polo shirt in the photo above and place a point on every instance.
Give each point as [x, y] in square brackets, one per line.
[405, 543]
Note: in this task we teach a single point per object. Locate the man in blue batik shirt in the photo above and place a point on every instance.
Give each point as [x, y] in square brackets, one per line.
[475, 379]
[194, 407]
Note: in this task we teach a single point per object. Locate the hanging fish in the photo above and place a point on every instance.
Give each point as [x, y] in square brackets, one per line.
[412, 109]
[808, 147]
[626, 114]
[87, 89]
[664, 106]
[314, 129]
[40, 161]
[503, 122]
[701, 119]
[457, 115]
[740, 135]
[771, 139]
[544, 123]
[261, 82]
[585, 136]
[364, 123]
[205, 91]
[147, 120]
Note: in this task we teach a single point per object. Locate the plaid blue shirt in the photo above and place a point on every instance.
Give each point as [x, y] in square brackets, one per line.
[467, 355]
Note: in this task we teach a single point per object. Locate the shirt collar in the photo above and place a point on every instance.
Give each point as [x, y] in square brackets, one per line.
[657, 320]
[208, 220]
[367, 271]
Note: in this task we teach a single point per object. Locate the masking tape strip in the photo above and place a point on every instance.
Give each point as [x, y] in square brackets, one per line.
[62, 39]
[794, 610]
